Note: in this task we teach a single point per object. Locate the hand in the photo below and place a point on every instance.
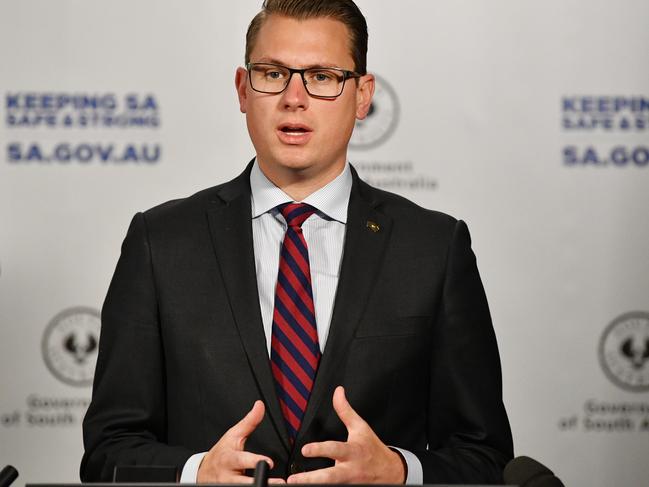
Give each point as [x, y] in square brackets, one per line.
[362, 459]
[226, 461]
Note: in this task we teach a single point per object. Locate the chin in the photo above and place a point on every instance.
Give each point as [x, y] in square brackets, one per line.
[293, 160]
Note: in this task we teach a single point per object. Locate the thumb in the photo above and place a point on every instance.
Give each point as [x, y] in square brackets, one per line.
[244, 428]
[344, 410]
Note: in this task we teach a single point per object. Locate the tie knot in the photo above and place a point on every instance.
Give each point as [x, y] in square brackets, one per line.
[296, 213]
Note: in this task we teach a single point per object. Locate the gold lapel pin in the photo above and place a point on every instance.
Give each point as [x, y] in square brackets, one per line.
[373, 226]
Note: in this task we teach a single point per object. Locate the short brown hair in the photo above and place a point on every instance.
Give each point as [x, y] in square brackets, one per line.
[344, 11]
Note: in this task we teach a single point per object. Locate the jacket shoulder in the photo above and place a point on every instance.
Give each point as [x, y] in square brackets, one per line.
[195, 205]
[182, 206]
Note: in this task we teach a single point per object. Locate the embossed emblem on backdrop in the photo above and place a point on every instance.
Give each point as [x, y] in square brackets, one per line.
[70, 345]
[624, 351]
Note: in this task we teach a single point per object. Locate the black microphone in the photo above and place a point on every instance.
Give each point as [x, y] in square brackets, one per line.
[527, 472]
[261, 474]
[8, 475]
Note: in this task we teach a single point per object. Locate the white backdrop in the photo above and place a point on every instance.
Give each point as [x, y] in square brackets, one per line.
[529, 120]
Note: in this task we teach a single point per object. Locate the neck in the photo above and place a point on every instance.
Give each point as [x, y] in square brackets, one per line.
[300, 183]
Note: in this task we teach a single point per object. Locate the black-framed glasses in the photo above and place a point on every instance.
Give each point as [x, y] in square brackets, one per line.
[318, 82]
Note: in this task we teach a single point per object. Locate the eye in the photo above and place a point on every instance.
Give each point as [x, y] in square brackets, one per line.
[269, 72]
[323, 76]
[274, 74]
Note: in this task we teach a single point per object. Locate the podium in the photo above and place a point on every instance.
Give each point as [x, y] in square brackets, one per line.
[146, 484]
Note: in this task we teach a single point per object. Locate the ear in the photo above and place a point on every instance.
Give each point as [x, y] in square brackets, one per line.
[364, 94]
[241, 83]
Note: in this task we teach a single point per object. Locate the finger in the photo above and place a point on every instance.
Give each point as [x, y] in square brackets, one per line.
[241, 460]
[247, 425]
[344, 410]
[330, 475]
[336, 450]
[275, 480]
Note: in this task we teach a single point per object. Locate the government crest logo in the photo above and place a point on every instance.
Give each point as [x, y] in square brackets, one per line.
[70, 345]
[624, 351]
[381, 120]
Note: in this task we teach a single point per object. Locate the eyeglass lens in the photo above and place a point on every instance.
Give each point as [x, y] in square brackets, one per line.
[270, 78]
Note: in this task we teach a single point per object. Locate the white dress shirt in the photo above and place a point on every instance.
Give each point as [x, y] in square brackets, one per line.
[324, 232]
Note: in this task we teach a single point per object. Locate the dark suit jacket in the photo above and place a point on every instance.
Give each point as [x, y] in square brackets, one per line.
[183, 354]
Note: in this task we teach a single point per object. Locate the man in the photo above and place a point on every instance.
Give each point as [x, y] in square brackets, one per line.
[344, 338]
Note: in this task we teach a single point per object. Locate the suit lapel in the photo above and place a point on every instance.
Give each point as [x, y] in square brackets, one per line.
[231, 231]
[367, 235]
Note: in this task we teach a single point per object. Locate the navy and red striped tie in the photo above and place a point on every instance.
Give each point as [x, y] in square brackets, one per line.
[295, 352]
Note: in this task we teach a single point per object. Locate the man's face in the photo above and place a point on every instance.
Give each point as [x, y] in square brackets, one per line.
[295, 135]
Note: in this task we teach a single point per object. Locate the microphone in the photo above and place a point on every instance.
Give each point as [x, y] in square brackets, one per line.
[527, 472]
[8, 475]
[261, 474]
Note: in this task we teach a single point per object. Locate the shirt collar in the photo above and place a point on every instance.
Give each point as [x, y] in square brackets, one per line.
[332, 199]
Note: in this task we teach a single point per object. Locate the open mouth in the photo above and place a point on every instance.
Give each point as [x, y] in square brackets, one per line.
[294, 129]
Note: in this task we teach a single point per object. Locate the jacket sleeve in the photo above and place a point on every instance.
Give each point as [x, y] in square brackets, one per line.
[126, 423]
[469, 437]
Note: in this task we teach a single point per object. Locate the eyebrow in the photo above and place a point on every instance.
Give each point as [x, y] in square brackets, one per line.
[269, 60]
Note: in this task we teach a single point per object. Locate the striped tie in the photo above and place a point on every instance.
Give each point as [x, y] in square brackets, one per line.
[295, 352]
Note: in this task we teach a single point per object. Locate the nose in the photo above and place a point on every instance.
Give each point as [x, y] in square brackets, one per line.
[295, 95]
